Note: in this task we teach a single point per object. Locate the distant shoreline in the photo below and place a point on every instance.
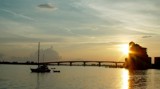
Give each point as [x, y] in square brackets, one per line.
[19, 63]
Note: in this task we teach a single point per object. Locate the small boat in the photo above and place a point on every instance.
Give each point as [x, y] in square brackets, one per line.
[41, 68]
[58, 71]
[54, 70]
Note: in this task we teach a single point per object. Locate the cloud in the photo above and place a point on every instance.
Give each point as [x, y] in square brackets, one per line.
[47, 6]
[48, 54]
[1, 56]
[146, 36]
[17, 14]
[127, 14]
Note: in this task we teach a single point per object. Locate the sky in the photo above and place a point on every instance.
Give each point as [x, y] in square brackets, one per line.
[79, 29]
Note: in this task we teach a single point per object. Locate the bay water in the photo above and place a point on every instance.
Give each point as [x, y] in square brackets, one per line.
[77, 77]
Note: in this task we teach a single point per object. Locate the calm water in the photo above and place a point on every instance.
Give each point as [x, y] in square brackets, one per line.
[20, 77]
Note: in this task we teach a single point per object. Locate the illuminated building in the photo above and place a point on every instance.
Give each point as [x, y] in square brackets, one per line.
[137, 57]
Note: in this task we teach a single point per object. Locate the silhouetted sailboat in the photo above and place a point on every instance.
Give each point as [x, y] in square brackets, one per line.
[41, 68]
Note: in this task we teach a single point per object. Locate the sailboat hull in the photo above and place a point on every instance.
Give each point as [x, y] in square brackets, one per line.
[40, 70]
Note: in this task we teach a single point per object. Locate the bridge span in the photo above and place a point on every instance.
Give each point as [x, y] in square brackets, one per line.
[84, 63]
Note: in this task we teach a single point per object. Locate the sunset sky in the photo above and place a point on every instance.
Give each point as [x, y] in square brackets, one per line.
[79, 29]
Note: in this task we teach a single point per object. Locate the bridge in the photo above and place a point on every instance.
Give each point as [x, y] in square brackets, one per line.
[83, 63]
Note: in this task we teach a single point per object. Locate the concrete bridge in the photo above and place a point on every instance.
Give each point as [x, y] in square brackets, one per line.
[84, 63]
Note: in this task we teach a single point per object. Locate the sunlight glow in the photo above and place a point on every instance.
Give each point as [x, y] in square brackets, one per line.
[124, 48]
[125, 78]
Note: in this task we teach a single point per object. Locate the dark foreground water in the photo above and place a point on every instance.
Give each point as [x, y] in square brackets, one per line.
[20, 77]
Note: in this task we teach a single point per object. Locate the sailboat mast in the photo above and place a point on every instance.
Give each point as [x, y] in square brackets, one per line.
[38, 53]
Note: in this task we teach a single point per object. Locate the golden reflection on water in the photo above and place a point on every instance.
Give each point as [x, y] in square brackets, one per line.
[125, 78]
[134, 79]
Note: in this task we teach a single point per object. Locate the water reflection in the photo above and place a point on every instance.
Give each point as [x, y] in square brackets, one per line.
[125, 78]
[37, 83]
[136, 79]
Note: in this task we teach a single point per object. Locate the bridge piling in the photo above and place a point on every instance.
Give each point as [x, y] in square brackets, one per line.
[99, 64]
[84, 63]
[116, 64]
[58, 63]
[70, 63]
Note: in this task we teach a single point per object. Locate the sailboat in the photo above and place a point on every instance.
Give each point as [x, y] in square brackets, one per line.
[41, 68]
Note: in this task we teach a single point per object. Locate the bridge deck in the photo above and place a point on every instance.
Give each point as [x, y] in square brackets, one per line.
[82, 61]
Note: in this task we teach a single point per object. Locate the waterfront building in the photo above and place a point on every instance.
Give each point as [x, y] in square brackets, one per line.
[157, 62]
[137, 57]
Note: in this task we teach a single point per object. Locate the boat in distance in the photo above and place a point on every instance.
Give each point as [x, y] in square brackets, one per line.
[56, 71]
[41, 68]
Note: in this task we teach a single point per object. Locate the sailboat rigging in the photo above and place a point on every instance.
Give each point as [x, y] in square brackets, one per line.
[41, 68]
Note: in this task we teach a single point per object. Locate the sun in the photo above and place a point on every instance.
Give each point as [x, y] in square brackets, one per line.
[124, 48]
